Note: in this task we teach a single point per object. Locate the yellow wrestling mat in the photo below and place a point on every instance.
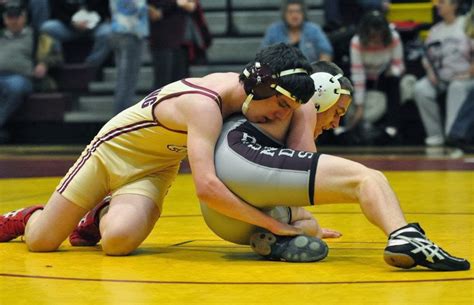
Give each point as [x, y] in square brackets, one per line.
[183, 262]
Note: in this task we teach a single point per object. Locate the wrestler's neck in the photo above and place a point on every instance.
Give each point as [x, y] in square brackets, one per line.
[233, 98]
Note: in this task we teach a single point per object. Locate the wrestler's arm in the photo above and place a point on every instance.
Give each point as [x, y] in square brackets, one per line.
[300, 136]
[296, 131]
[301, 130]
[203, 132]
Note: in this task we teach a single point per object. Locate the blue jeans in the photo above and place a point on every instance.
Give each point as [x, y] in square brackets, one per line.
[128, 53]
[63, 33]
[39, 12]
[13, 90]
[462, 126]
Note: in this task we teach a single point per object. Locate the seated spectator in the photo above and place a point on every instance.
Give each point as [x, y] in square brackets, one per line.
[17, 63]
[129, 29]
[341, 19]
[295, 29]
[376, 54]
[179, 36]
[345, 13]
[449, 69]
[38, 12]
[461, 133]
[75, 19]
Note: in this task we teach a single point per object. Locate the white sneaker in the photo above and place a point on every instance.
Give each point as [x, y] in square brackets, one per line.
[434, 140]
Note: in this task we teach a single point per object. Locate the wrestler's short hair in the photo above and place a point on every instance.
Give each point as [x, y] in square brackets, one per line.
[326, 66]
[279, 65]
[347, 84]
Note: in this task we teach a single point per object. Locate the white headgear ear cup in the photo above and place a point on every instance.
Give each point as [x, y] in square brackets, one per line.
[327, 90]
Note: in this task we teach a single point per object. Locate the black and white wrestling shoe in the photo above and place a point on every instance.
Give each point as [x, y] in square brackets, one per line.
[408, 247]
[301, 248]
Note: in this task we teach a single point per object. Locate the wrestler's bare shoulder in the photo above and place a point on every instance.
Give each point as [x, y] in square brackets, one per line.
[175, 112]
[218, 82]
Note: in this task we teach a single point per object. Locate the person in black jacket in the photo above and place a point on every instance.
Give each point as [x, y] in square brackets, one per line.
[179, 36]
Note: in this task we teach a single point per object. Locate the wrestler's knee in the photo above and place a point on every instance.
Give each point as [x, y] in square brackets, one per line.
[40, 242]
[371, 178]
[118, 241]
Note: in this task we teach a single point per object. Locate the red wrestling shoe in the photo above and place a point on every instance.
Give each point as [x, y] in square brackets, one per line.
[87, 232]
[13, 223]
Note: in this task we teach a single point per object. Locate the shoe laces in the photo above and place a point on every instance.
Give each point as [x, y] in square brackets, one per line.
[428, 248]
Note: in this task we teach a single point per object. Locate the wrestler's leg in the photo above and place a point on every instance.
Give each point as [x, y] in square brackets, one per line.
[46, 229]
[340, 180]
[304, 220]
[128, 221]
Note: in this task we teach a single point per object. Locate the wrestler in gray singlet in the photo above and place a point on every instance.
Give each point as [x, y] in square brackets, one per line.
[258, 169]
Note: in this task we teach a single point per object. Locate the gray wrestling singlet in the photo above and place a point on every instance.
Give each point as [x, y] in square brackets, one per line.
[260, 171]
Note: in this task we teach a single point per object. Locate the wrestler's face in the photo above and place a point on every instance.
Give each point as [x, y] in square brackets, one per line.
[277, 107]
[331, 118]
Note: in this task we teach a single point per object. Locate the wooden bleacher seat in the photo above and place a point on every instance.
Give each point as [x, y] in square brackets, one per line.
[44, 107]
[74, 77]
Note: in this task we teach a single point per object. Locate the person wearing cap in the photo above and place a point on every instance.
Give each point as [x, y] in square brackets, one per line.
[275, 171]
[18, 66]
[136, 156]
[38, 11]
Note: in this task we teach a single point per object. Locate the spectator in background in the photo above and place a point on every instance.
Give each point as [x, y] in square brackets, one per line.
[352, 11]
[17, 62]
[38, 12]
[341, 20]
[179, 36]
[129, 28]
[461, 133]
[295, 29]
[376, 54]
[449, 69]
[74, 19]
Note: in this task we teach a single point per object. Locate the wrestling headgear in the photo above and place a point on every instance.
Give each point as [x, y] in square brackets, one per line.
[327, 90]
[260, 83]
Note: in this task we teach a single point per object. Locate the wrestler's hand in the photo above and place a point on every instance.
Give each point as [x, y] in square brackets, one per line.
[330, 233]
[285, 229]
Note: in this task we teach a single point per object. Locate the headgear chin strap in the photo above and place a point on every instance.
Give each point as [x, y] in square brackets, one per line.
[327, 90]
[260, 83]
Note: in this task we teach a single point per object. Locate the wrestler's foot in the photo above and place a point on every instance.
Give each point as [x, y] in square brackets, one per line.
[87, 232]
[301, 248]
[13, 223]
[408, 247]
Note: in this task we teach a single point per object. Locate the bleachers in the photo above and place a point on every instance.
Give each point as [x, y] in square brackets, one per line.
[252, 23]
[44, 107]
[227, 53]
[89, 101]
